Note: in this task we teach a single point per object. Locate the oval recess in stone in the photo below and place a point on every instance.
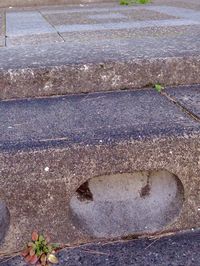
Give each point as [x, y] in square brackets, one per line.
[123, 204]
[4, 220]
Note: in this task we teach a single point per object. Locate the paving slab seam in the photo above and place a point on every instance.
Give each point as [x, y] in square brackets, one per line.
[181, 106]
[39, 11]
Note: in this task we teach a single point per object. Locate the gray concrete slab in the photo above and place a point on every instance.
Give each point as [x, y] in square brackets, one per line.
[55, 3]
[34, 122]
[56, 144]
[125, 25]
[190, 99]
[102, 15]
[105, 65]
[26, 23]
[36, 39]
[122, 35]
[182, 249]
[192, 4]
[2, 29]
[145, 47]
[180, 12]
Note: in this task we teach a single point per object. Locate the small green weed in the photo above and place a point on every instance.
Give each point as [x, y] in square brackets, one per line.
[158, 87]
[129, 2]
[40, 251]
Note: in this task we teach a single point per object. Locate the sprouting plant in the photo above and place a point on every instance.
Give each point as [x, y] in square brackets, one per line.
[158, 87]
[129, 2]
[40, 251]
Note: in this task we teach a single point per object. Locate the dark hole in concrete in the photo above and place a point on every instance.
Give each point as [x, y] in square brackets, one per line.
[84, 192]
[145, 191]
[4, 221]
[124, 204]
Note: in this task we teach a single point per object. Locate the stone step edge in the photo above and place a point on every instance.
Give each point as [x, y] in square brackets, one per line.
[54, 79]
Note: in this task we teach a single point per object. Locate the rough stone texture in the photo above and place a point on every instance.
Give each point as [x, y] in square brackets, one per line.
[4, 221]
[193, 4]
[118, 35]
[26, 23]
[2, 29]
[97, 16]
[83, 119]
[34, 39]
[107, 65]
[106, 47]
[22, 3]
[49, 147]
[190, 99]
[31, 3]
[182, 249]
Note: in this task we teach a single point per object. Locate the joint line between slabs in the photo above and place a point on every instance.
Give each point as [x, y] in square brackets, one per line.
[181, 107]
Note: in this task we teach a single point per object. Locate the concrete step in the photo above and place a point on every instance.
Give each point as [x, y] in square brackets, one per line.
[100, 165]
[59, 51]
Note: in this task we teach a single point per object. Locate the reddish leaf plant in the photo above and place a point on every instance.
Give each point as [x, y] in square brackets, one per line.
[40, 251]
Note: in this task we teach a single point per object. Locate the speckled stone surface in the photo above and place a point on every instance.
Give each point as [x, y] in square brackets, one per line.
[190, 99]
[182, 249]
[35, 39]
[2, 29]
[77, 49]
[97, 16]
[30, 71]
[49, 147]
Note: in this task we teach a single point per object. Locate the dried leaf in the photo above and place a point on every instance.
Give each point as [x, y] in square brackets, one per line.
[30, 244]
[33, 260]
[28, 258]
[35, 236]
[32, 252]
[52, 258]
[43, 259]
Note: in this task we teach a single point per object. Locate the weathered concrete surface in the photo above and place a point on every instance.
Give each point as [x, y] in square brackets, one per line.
[72, 68]
[188, 98]
[30, 3]
[2, 29]
[182, 249]
[98, 48]
[50, 147]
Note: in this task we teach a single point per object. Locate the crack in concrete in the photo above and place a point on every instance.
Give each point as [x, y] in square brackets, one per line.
[181, 106]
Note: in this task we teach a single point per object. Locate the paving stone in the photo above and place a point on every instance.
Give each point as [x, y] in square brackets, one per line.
[2, 29]
[54, 145]
[121, 35]
[125, 25]
[180, 12]
[26, 23]
[103, 16]
[98, 56]
[32, 3]
[105, 65]
[19, 128]
[190, 99]
[192, 4]
[36, 39]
